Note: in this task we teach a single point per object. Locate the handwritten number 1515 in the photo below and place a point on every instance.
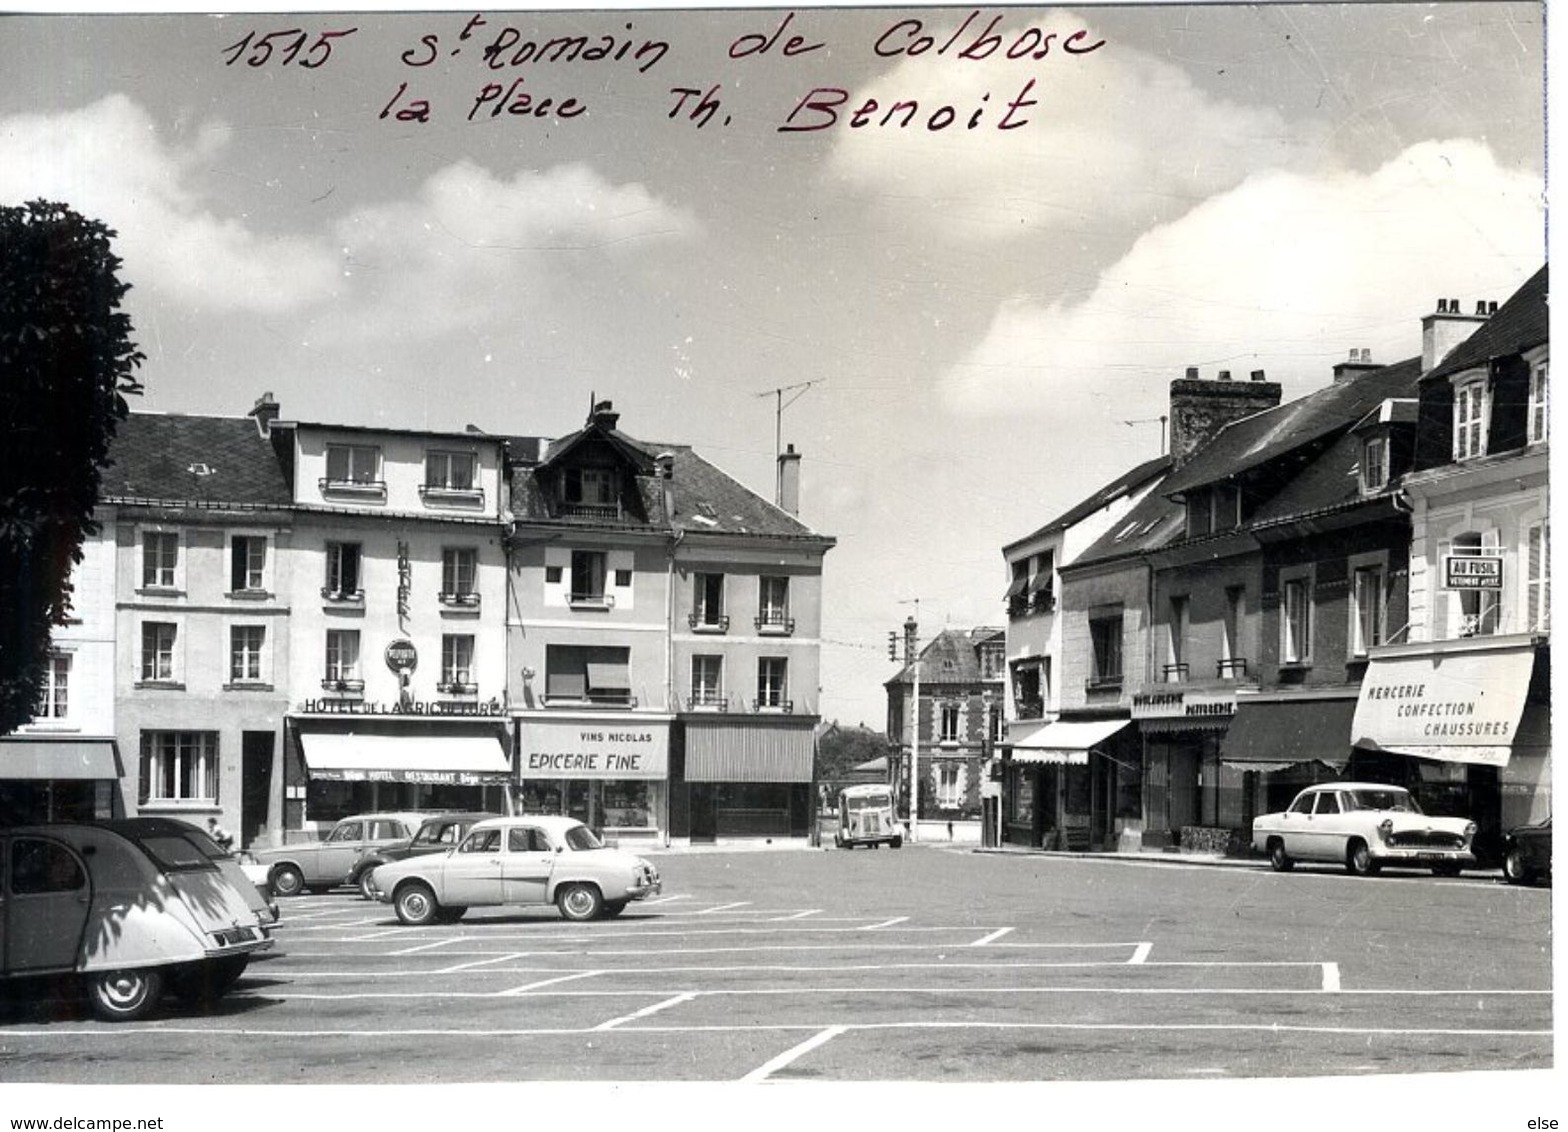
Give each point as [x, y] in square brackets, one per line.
[289, 42]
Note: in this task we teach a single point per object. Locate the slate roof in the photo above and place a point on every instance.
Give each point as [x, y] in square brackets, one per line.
[153, 455]
[952, 657]
[1154, 522]
[1124, 484]
[1520, 323]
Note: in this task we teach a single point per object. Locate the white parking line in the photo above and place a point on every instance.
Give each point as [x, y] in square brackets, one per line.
[645, 1011]
[883, 924]
[799, 915]
[723, 907]
[996, 935]
[767, 1069]
[425, 947]
[1141, 953]
[478, 963]
[652, 900]
[1331, 977]
[549, 982]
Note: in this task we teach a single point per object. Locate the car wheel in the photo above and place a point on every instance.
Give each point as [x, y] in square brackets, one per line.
[124, 996]
[838, 841]
[579, 902]
[1358, 860]
[1446, 869]
[1279, 860]
[286, 880]
[416, 905]
[897, 843]
[1514, 867]
[366, 889]
[613, 908]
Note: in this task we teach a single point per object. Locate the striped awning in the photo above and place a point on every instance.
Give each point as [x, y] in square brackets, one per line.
[1065, 742]
[754, 749]
[83, 760]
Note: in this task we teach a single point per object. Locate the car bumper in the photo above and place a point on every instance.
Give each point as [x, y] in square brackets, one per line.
[1399, 855]
[645, 890]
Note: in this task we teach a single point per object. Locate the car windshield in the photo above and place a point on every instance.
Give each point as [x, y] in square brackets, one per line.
[867, 802]
[581, 837]
[1384, 800]
[174, 853]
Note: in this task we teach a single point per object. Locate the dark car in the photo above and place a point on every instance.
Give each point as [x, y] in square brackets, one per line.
[1527, 854]
[436, 835]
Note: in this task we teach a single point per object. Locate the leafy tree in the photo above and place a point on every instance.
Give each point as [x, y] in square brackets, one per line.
[66, 364]
[841, 749]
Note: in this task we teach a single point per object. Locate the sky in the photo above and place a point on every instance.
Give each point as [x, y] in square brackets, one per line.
[973, 326]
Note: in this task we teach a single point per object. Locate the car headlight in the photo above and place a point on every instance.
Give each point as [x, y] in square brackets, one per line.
[1470, 828]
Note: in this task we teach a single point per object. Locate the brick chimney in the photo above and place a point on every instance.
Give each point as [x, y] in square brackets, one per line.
[265, 411]
[789, 480]
[1448, 326]
[665, 462]
[604, 415]
[1199, 409]
[1359, 362]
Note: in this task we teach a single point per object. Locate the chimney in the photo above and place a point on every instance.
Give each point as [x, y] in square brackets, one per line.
[1447, 327]
[604, 415]
[665, 462]
[265, 411]
[1359, 362]
[789, 481]
[1199, 409]
[911, 638]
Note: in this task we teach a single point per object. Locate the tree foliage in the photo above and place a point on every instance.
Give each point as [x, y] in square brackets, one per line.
[841, 749]
[66, 365]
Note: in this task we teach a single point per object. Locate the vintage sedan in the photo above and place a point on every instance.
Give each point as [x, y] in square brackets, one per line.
[1527, 854]
[315, 866]
[517, 861]
[1363, 826]
[132, 908]
[436, 835]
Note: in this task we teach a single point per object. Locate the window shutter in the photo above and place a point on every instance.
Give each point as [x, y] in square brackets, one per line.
[144, 777]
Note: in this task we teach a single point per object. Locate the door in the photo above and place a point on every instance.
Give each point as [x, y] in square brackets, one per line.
[704, 813]
[255, 783]
[472, 875]
[337, 854]
[526, 866]
[1297, 827]
[43, 905]
[1329, 833]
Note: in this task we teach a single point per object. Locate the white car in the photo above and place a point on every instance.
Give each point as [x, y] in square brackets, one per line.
[517, 861]
[1364, 826]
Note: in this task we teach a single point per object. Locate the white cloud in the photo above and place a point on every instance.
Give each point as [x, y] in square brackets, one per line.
[108, 161]
[1281, 273]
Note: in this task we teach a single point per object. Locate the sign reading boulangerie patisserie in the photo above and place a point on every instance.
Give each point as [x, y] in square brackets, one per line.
[594, 749]
[1463, 699]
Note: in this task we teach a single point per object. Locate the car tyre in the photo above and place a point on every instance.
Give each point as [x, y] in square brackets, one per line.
[1446, 869]
[1514, 868]
[1358, 860]
[124, 996]
[416, 904]
[286, 880]
[613, 908]
[1279, 860]
[897, 843]
[366, 889]
[579, 902]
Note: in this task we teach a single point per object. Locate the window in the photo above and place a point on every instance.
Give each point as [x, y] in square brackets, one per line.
[771, 674]
[591, 487]
[247, 563]
[1176, 645]
[353, 464]
[990, 661]
[450, 471]
[343, 579]
[1303, 804]
[342, 673]
[1328, 803]
[1537, 579]
[1366, 596]
[708, 602]
[1105, 637]
[1540, 414]
[39, 867]
[947, 726]
[246, 643]
[160, 558]
[1295, 620]
[592, 674]
[1227, 507]
[1232, 664]
[457, 663]
[54, 703]
[949, 785]
[1479, 609]
[1200, 515]
[773, 606]
[1028, 696]
[459, 567]
[1470, 420]
[1374, 464]
[158, 639]
[588, 578]
[707, 681]
[179, 766]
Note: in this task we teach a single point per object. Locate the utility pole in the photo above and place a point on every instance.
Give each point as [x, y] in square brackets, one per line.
[778, 428]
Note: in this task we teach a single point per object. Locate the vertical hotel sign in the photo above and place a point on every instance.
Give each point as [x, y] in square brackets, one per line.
[405, 577]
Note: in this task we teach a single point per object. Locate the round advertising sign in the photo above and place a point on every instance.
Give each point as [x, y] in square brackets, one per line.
[402, 656]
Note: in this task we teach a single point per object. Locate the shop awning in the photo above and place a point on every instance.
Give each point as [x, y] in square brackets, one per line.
[1274, 734]
[460, 760]
[1457, 703]
[750, 750]
[75, 759]
[1065, 742]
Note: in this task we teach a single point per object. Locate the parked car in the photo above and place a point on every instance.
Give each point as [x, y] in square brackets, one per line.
[250, 880]
[866, 817]
[1527, 854]
[1364, 826]
[315, 866]
[436, 835]
[133, 907]
[517, 861]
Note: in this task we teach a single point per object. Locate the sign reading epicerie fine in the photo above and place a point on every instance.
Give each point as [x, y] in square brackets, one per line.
[591, 749]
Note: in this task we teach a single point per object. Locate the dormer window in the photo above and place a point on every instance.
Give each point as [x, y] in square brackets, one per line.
[1374, 464]
[1227, 507]
[1539, 414]
[1200, 517]
[590, 491]
[1470, 409]
[450, 471]
[353, 468]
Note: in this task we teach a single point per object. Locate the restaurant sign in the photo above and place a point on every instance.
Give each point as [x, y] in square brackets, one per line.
[594, 749]
[1472, 572]
[1183, 704]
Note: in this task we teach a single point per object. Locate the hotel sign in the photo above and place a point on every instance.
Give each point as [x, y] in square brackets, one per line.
[1181, 704]
[1472, 571]
[617, 748]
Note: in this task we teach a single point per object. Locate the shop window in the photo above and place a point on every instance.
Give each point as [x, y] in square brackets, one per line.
[773, 606]
[588, 674]
[343, 576]
[178, 766]
[459, 576]
[248, 564]
[1540, 414]
[772, 672]
[627, 805]
[1105, 639]
[588, 572]
[342, 662]
[1538, 581]
[457, 664]
[54, 701]
[247, 643]
[1470, 406]
[1295, 619]
[707, 613]
[160, 560]
[1367, 608]
[1021, 796]
[158, 651]
[948, 724]
[707, 682]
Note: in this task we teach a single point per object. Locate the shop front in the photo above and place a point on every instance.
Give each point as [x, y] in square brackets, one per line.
[1072, 784]
[1465, 725]
[59, 779]
[339, 763]
[607, 771]
[1279, 743]
[1185, 786]
[746, 777]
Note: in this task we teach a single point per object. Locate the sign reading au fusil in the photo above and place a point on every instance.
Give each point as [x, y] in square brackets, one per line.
[1472, 572]
[594, 749]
